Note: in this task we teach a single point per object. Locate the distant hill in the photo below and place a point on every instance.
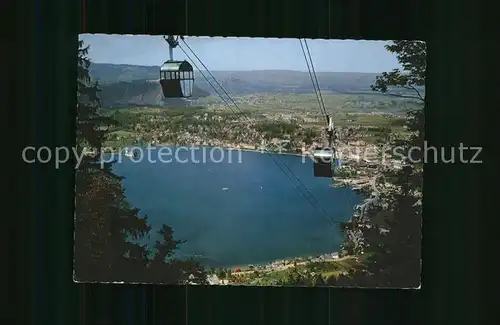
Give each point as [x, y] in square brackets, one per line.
[137, 85]
[140, 93]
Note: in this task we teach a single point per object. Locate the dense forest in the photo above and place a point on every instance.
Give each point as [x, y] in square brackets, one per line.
[107, 227]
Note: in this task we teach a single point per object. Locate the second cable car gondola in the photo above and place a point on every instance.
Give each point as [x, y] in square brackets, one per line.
[176, 77]
[324, 160]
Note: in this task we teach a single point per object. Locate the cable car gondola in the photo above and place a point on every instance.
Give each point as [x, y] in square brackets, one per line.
[176, 77]
[324, 162]
[325, 159]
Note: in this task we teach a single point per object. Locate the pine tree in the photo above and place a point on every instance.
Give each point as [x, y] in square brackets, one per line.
[107, 227]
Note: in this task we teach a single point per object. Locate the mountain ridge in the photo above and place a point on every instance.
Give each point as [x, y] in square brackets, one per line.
[134, 85]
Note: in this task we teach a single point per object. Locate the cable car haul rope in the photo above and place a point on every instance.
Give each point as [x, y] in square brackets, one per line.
[325, 159]
[177, 81]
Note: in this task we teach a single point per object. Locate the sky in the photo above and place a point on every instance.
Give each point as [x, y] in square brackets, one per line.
[244, 53]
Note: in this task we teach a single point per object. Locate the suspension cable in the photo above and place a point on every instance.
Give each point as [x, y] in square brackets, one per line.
[243, 113]
[312, 74]
[287, 174]
[312, 79]
[208, 81]
[314, 202]
[315, 78]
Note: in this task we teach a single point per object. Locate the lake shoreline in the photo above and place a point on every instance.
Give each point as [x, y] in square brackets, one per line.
[131, 147]
[290, 261]
[357, 182]
[279, 263]
[276, 266]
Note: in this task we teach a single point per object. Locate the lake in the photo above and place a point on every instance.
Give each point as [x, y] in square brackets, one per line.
[238, 208]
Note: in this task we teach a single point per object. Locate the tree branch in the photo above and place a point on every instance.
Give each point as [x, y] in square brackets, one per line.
[418, 93]
[404, 96]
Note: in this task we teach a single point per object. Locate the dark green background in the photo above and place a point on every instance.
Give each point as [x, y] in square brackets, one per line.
[453, 208]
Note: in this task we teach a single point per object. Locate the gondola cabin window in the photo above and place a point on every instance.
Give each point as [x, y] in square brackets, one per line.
[177, 79]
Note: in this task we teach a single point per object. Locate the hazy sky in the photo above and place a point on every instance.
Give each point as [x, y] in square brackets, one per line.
[219, 53]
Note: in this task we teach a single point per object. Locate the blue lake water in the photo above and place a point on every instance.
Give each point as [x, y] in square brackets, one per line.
[242, 210]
